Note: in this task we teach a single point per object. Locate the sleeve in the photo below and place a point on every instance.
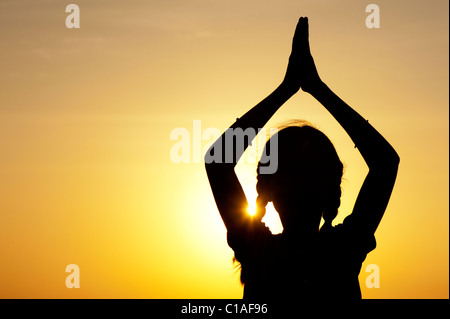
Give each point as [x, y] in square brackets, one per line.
[357, 238]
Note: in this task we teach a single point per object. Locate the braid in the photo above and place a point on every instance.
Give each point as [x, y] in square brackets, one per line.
[334, 199]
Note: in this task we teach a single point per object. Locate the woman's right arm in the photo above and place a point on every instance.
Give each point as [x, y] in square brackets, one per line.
[227, 190]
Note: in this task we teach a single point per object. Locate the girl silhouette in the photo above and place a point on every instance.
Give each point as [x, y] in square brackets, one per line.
[303, 261]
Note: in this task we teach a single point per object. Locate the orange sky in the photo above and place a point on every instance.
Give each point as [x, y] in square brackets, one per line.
[86, 115]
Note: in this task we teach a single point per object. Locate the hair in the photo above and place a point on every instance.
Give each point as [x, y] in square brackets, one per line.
[307, 155]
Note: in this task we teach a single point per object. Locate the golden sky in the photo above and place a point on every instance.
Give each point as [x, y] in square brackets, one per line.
[86, 115]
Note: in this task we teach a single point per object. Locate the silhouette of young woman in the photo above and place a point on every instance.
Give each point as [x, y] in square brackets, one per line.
[303, 261]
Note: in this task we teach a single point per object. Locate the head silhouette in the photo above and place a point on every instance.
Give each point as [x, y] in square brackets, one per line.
[306, 185]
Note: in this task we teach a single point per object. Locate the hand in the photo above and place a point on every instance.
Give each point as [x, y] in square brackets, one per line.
[301, 71]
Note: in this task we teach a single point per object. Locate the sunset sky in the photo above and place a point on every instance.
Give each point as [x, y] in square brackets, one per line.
[86, 115]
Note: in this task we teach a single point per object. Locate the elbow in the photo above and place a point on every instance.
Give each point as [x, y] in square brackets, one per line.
[389, 162]
[211, 169]
[393, 158]
[215, 161]
[208, 159]
[394, 163]
[387, 159]
[213, 165]
[396, 159]
[209, 166]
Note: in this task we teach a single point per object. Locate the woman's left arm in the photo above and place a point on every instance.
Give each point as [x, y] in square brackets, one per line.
[379, 155]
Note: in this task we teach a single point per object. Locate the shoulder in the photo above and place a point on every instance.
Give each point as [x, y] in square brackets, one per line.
[351, 235]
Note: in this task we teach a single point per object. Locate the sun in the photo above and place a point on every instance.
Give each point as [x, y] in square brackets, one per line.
[251, 209]
[271, 218]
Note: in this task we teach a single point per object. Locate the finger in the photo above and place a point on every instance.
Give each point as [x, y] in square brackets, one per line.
[305, 36]
[301, 34]
[297, 31]
[304, 29]
[307, 30]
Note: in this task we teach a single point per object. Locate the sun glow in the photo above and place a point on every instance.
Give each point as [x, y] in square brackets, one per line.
[251, 209]
[271, 217]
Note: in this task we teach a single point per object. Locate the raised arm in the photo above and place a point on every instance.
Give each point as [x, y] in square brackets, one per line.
[378, 154]
[222, 157]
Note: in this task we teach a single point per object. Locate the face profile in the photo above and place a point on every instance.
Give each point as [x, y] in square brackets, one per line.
[309, 175]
